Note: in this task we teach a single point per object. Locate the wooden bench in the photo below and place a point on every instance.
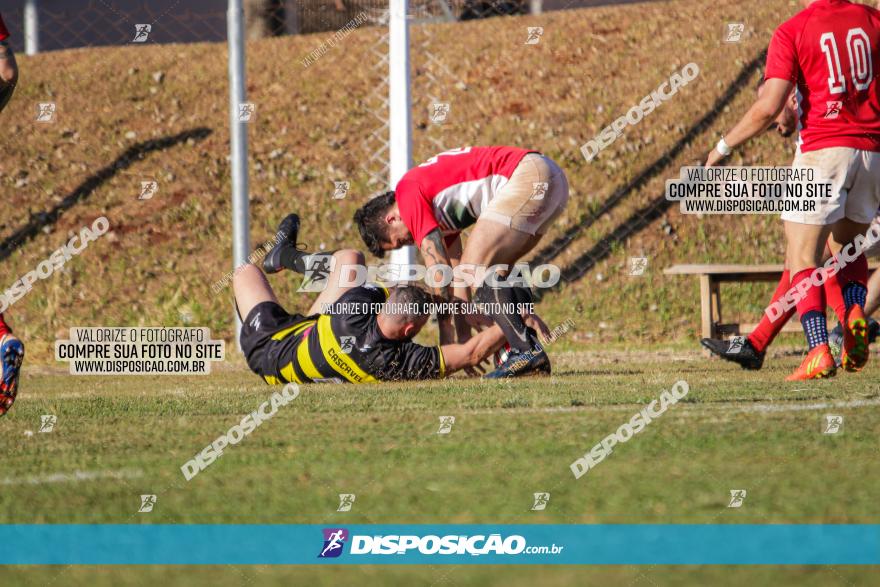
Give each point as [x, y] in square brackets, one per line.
[711, 278]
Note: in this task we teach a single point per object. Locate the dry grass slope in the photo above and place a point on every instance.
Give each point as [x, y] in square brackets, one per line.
[116, 105]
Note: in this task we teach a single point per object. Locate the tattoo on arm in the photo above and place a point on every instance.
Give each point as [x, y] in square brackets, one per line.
[434, 252]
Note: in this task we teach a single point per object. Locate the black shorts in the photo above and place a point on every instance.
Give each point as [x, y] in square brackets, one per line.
[263, 350]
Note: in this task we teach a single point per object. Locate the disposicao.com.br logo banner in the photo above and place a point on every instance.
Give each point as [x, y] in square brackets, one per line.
[432, 544]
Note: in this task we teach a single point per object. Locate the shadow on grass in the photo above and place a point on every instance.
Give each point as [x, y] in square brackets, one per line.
[643, 217]
[132, 155]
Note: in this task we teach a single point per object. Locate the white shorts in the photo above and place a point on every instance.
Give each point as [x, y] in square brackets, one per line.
[854, 176]
[533, 198]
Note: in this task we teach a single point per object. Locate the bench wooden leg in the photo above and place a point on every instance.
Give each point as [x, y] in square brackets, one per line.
[715, 298]
[707, 326]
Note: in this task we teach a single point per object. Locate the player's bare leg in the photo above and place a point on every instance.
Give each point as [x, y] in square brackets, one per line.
[493, 243]
[338, 270]
[250, 287]
[343, 276]
[805, 244]
[853, 280]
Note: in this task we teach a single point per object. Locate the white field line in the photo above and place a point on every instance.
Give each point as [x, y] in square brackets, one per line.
[75, 476]
[682, 407]
[752, 407]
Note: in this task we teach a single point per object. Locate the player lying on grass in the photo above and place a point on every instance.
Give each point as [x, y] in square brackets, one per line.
[11, 349]
[350, 334]
[510, 195]
[839, 137]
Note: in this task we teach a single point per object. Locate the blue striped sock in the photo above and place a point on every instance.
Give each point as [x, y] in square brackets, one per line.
[815, 328]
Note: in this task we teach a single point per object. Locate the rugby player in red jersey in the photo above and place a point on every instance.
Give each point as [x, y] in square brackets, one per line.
[351, 333]
[11, 349]
[510, 196]
[749, 351]
[827, 52]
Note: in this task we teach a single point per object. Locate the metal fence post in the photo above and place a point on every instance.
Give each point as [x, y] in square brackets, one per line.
[238, 141]
[399, 110]
[31, 28]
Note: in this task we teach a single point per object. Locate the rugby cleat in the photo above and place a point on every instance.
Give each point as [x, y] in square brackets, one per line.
[835, 343]
[520, 364]
[818, 364]
[835, 338]
[11, 354]
[738, 350]
[289, 229]
[855, 352]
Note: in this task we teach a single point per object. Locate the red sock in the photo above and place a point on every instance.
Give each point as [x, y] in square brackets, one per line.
[762, 336]
[813, 298]
[856, 271]
[4, 327]
[834, 297]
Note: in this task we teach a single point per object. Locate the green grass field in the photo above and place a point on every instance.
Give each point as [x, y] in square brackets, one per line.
[128, 436]
[159, 112]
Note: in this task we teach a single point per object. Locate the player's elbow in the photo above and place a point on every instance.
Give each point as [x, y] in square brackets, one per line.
[764, 112]
[8, 72]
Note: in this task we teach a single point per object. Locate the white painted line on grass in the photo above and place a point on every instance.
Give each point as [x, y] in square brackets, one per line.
[692, 407]
[75, 476]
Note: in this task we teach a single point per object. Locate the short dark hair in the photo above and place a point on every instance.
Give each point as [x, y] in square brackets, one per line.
[370, 220]
[409, 302]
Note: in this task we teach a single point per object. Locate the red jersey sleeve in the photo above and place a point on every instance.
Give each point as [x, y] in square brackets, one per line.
[782, 61]
[415, 210]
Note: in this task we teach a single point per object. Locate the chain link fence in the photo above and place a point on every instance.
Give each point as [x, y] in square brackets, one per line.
[141, 133]
[66, 24]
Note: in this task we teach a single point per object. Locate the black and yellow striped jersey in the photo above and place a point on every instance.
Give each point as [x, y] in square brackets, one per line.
[347, 346]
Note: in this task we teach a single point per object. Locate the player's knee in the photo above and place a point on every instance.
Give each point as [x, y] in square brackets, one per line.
[245, 274]
[349, 257]
[798, 257]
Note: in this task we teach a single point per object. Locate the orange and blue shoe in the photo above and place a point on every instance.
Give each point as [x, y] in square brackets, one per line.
[11, 356]
[818, 364]
[855, 353]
